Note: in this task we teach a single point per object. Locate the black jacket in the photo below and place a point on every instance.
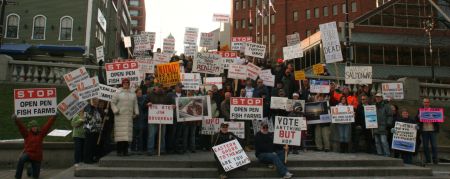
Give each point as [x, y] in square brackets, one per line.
[264, 143]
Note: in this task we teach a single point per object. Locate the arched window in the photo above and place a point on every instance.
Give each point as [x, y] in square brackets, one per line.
[66, 28]
[39, 23]
[12, 26]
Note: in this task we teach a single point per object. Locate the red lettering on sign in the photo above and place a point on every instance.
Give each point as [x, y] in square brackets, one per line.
[127, 65]
[247, 101]
[34, 93]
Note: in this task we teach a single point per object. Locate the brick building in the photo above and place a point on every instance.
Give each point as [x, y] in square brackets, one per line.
[137, 13]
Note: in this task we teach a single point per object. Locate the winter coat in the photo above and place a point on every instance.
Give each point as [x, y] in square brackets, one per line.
[33, 142]
[384, 115]
[77, 124]
[124, 106]
[225, 108]
[92, 119]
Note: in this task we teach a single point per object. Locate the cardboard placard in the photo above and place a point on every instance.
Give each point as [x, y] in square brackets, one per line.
[237, 72]
[71, 105]
[106, 92]
[88, 89]
[246, 108]
[190, 50]
[299, 75]
[208, 63]
[161, 58]
[210, 126]
[404, 137]
[330, 42]
[160, 114]
[191, 81]
[168, 74]
[117, 71]
[318, 69]
[288, 130]
[292, 52]
[127, 41]
[74, 77]
[392, 90]
[370, 116]
[358, 75]
[231, 155]
[319, 86]
[34, 102]
[255, 50]
[342, 114]
[431, 115]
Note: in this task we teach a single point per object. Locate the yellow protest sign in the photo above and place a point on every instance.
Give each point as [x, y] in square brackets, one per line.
[168, 74]
[318, 69]
[299, 75]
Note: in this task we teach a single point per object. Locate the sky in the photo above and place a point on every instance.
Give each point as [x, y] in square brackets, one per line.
[172, 16]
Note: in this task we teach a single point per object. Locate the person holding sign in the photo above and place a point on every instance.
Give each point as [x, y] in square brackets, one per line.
[429, 131]
[384, 114]
[33, 138]
[78, 139]
[405, 118]
[268, 153]
[92, 117]
[360, 129]
[221, 137]
[344, 129]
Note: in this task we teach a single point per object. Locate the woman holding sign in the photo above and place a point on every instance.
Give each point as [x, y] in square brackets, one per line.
[405, 118]
[344, 129]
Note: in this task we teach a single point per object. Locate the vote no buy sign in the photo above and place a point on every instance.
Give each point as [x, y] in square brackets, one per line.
[33, 102]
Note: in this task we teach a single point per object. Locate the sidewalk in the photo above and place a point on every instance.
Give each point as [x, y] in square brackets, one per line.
[45, 173]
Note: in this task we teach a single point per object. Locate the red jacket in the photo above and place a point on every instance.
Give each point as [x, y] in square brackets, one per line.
[33, 143]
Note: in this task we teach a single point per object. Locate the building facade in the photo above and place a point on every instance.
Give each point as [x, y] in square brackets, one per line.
[137, 12]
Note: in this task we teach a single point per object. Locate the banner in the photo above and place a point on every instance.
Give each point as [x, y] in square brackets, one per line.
[193, 108]
[191, 81]
[255, 50]
[71, 105]
[342, 114]
[319, 86]
[358, 75]
[117, 71]
[293, 39]
[161, 58]
[288, 130]
[246, 108]
[404, 137]
[160, 114]
[210, 126]
[237, 72]
[190, 50]
[222, 18]
[208, 63]
[370, 116]
[99, 53]
[257, 125]
[75, 76]
[168, 74]
[228, 57]
[33, 102]
[253, 71]
[330, 42]
[299, 75]
[239, 42]
[206, 40]
[317, 112]
[318, 69]
[431, 114]
[278, 102]
[190, 35]
[214, 81]
[392, 90]
[231, 155]
[237, 128]
[106, 92]
[292, 52]
[88, 89]
[169, 46]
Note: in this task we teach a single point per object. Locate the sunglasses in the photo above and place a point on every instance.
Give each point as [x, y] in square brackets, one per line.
[265, 127]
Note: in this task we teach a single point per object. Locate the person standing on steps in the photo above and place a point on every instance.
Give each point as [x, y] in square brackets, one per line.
[429, 131]
[221, 137]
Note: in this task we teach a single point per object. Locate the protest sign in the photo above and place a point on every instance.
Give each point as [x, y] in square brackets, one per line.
[228, 57]
[210, 126]
[222, 18]
[291, 52]
[269, 80]
[404, 137]
[75, 76]
[71, 105]
[237, 128]
[278, 102]
[392, 90]
[358, 75]
[190, 35]
[257, 125]
[168, 74]
[146, 66]
[318, 69]
[88, 89]
[299, 75]
[255, 50]
[141, 44]
[191, 81]
[208, 63]
[293, 39]
[206, 40]
[106, 92]
[237, 72]
[246, 108]
[59, 133]
[190, 50]
[431, 114]
[370, 116]
[291, 104]
[169, 45]
[33, 102]
[127, 41]
[214, 81]
[231, 155]
[317, 112]
[288, 130]
[266, 72]
[161, 58]
[319, 86]
[238, 42]
[160, 114]
[342, 114]
[99, 53]
[330, 42]
[253, 71]
[193, 108]
[117, 71]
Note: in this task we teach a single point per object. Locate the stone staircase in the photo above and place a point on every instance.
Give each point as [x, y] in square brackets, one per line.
[202, 165]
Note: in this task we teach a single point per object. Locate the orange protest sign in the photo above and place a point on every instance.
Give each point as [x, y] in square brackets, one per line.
[318, 69]
[299, 75]
[168, 74]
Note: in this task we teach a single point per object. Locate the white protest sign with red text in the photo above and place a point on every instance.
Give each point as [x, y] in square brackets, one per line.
[71, 105]
[33, 102]
[211, 125]
[213, 81]
[75, 76]
[88, 89]
[237, 72]
[239, 42]
[231, 155]
[117, 71]
[288, 130]
[160, 114]
[253, 71]
[228, 58]
[246, 108]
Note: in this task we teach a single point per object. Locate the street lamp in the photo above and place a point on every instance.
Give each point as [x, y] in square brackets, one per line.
[428, 26]
[347, 44]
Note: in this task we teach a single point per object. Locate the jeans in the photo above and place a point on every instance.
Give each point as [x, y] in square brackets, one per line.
[382, 145]
[35, 166]
[78, 149]
[429, 137]
[322, 137]
[344, 132]
[275, 159]
[189, 135]
[174, 136]
[152, 134]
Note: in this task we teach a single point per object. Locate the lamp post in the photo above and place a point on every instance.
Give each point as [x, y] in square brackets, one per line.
[428, 26]
[347, 44]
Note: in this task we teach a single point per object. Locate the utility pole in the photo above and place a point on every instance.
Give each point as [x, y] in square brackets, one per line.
[2, 17]
[347, 44]
[428, 26]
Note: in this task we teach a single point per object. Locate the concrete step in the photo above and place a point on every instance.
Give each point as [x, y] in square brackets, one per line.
[96, 171]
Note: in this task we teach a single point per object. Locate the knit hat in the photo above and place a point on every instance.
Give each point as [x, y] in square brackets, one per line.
[32, 123]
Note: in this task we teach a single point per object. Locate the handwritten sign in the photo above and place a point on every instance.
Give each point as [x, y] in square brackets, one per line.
[231, 155]
[208, 63]
[237, 72]
[161, 58]
[293, 39]
[99, 53]
[255, 50]
[318, 69]
[191, 81]
[278, 102]
[71, 105]
[160, 114]
[299, 75]
[106, 92]
[246, 108]
[392, 90]
[358, 75]
[288, 130]
[190, 35]
[190, 50]
[222, 18]
[168, 74]
[75, 76]
[253, 71]
[228, 57]
[431, 114]
[330, 42]
[342, 114]
[292, 52]
[206, 40]
[169, 45]
[210, 126]
[237, 128]
[370, 116]
[214, 81]
[34, 102]
[404, 137]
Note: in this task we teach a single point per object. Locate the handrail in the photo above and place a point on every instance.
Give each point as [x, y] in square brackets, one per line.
[66, 65]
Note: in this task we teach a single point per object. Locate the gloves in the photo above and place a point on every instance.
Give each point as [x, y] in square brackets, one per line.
[13, 117]
[393, 130]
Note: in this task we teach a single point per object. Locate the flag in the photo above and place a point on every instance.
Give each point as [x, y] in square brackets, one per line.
[259, 12]
[271, 5]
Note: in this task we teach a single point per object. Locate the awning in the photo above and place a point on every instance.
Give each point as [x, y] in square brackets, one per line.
[61, 48]
[14, 49]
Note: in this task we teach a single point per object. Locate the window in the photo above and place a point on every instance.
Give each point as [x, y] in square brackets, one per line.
[265, 20]
[244, 4]
[376, 54]
[308, 14]
[344, 8]
[265, 39]
[134, 2]
[236, 24]
[362, 54]
[12, 26]
[419, 54]
[134, 12]
[272, 19]
[295, 16]
[272, 39]
[236, 5]
[66, 27]
[325, 11]
[243, 23]
[390, 55]
[316, 12]
[39, 22]
[335, 10]
[353, 6]
[250, 3]
[134, 23]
